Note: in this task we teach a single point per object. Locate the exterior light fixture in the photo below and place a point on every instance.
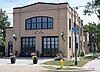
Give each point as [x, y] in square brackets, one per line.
[14, 37]
[62, 35]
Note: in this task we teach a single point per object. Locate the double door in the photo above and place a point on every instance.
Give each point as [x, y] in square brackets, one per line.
[49, 46]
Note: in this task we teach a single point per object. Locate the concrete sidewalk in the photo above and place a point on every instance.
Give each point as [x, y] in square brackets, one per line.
[23, 65]
[24, 60]
[93, 65]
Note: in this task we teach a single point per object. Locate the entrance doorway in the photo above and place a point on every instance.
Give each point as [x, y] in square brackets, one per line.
[28, 45]
[49, 46]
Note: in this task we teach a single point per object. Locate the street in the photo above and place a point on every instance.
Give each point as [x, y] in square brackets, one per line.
[21, 68]
[26, 65]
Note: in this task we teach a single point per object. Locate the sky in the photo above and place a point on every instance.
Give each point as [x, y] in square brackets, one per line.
[8, 6]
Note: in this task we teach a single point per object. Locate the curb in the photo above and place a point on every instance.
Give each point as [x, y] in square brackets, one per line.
[70, 70]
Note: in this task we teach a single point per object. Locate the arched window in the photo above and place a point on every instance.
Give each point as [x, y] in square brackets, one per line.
[39, 22]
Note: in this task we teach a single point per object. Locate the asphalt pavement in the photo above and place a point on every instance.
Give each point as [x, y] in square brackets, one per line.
[23, 64]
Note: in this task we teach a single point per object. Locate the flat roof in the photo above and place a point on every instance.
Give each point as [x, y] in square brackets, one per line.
[41, 3]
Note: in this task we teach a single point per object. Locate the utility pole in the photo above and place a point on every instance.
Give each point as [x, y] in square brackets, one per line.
[75, 30]
[75, 36]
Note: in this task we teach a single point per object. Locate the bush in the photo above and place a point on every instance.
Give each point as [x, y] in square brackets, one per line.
[81, 53]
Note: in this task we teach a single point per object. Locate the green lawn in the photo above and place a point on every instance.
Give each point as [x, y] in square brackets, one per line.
[81, 62]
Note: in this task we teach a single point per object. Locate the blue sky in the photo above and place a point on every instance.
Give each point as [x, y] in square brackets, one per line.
[8, 6]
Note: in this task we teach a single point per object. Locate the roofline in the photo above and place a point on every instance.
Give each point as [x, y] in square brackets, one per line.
[41, 3]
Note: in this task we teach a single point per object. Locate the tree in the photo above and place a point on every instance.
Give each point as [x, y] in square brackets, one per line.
[94, 34]
[93, 7]
[98, 37]
[4, 23]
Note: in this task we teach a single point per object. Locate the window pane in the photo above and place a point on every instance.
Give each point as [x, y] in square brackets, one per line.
[56, 45]
[38, 19]
[48, 42]
[44, 19]
[38, 25]
[28, 21]
[52, 39]
[33, 20]
[33, 23]
[30, 41]
[44, 45]
[50, 20]
[48, 45]
[28, 24]
[44, 25]
[48, 39]
[52, 42]
[44, 39]
[56, 42]
[38, 22]
[50, 23]
[56, 39]
[52, 46]
[44, 42]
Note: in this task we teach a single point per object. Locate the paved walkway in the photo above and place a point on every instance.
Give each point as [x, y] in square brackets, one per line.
[93, 65]
[22, 65]
[24, 60]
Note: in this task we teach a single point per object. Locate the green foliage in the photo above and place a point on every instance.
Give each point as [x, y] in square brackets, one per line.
[2, 43]
[93, 7]
[4, 23]
[91, 28]
[94, 33]
[82, 54]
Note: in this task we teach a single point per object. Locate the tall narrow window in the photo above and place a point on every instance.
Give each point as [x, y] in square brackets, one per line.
[69, 23]
[69, 42]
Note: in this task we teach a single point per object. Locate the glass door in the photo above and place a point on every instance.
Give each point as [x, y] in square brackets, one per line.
[49, 46]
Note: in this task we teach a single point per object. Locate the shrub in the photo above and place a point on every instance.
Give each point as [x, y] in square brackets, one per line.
[81, 53]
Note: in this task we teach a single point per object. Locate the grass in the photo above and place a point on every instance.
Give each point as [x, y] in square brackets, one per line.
[81, 62]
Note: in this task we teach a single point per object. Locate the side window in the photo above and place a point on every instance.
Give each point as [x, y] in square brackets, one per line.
[69, 42]
[69, 23]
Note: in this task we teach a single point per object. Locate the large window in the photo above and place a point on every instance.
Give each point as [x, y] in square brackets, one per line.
[28, 45]
[40, 22]
[49, 46]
